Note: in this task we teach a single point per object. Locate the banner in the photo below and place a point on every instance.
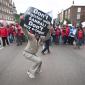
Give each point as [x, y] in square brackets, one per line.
[37, 20]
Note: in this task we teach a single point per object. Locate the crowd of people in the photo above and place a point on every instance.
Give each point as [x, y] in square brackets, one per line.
[11, 33]
[65, 35]
[68, 35]
[59, 35]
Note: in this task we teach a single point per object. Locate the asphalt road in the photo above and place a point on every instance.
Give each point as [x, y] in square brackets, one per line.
[64, 66]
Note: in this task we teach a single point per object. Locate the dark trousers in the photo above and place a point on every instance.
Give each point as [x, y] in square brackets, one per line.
[19, 40]
[71, 40]
[57, 39]
[47, 43]
[54, 38]
[5, 40]
[64, 39]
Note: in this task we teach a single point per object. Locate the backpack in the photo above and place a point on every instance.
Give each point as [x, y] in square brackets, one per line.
[80, 34]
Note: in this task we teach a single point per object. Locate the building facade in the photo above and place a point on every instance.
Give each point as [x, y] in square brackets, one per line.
[75, 14]
[7, 10]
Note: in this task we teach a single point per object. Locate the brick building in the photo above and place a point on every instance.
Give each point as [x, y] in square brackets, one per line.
[75, 14]
[7, 10]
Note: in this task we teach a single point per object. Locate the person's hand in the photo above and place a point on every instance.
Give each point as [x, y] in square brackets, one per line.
[31, 35]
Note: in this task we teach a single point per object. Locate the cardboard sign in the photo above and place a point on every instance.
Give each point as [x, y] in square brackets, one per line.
[37, 20]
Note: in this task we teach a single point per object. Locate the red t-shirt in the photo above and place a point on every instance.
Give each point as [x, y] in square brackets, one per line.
[3, 32]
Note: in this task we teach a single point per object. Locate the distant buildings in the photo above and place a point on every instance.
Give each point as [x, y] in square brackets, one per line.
[75, 14]
[7, 10]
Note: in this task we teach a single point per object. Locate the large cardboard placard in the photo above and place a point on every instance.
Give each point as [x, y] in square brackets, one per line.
[37, 20]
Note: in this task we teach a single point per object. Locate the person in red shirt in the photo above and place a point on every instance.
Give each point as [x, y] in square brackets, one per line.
[80, 36]
[10, 33]
[63, 33]
[4, 35]
[58, 33]
[67, 33]
[18, 29]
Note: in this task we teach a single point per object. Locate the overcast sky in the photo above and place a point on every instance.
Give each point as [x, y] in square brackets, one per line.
[46, 5]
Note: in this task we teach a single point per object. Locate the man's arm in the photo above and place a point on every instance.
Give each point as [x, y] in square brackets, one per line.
[26, 29]
[31, 35]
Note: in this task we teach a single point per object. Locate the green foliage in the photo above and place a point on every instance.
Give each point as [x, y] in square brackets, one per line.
[61, 23]
[17, 18]
[68, 21]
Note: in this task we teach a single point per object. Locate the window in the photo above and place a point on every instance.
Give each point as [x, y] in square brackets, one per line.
[5, 17]
[7, 11]
[69, 14]
[79, 9]
[0, 7]
[4, 9]
[78, 16]
[69, 11]
[0, 16]
[6, 3]
[66, 14]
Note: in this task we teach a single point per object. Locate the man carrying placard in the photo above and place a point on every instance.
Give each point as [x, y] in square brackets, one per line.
[35, 22]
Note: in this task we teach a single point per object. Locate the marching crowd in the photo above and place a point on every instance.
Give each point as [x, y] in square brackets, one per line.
[68, 34]
[11, 33]
[60, 35]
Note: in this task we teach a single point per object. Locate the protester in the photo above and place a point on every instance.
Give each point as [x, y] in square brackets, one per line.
[47, 42]
[18, 30]
[80, 37]
[4, 35]
[64, 38]
[71, 36]
[75, 37]
[52, 34]
[83, 27]
[10, 33]
[67, 33]
[30, 54]
[58, 33]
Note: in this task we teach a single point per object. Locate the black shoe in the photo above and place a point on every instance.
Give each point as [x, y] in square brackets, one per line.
[49, 52]
[43, 53]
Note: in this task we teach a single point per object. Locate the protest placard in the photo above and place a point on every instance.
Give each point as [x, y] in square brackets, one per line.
[36, 20]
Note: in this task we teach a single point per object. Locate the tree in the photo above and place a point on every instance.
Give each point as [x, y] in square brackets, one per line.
[68, 21]
[17, 18]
